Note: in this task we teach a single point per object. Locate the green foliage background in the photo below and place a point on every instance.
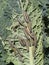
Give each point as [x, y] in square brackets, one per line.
[38, 10]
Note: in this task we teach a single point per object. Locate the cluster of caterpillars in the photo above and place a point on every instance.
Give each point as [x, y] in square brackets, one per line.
[31, 39]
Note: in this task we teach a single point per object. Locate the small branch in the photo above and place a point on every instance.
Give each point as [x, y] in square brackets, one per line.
[31, 54]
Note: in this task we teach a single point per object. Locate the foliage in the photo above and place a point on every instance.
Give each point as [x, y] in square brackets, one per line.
[38, 12]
